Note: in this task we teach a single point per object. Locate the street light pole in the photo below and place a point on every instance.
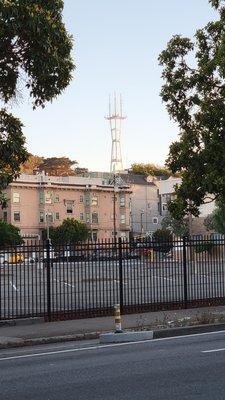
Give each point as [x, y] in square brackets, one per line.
[114, 206]
[142, 229]
[47, 226]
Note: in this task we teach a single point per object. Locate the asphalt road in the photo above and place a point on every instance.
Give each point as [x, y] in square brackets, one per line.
[87, 286]
[185, 368]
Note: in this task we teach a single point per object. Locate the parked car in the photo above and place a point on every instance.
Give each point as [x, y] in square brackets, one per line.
[11, 258]
[32, 257]
[103, 255]
[70, 255]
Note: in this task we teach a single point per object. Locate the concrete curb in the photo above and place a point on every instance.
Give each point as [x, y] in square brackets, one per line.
[22, 322]
[124, 337]
[45, 340]
[188, 330]
[157, 334]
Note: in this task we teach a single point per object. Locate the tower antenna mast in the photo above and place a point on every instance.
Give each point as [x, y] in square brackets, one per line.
[115, 118]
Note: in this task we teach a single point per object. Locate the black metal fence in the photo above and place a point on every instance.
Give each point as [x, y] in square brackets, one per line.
[88, 279]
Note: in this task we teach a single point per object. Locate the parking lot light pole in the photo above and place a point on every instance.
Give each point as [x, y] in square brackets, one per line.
[142, 228]
[48, 226]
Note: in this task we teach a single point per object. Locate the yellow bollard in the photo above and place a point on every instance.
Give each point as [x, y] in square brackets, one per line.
[118, 319]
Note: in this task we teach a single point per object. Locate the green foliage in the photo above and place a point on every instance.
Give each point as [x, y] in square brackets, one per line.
[162, 240]
[9, 234]
[150, 169]
[70, 231]
[58, 166]
[208, 222]
[194, 94]
[34, 40]
[12, 151]
[36, 50]
[177, 227]
[204, 246]
[216, 220]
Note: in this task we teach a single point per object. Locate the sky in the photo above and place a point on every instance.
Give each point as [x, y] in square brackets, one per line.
[116, 46]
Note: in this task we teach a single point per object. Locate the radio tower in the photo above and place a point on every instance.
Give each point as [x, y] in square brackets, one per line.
[115, 118]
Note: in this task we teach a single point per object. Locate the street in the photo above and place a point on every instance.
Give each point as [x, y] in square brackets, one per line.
[189, 367]
[85, 286]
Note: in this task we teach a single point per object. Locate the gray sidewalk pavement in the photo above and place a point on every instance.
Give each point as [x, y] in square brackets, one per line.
[26, 332]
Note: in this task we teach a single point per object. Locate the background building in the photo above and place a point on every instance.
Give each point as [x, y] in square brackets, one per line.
[145, 215]
[38, 201]
[166, 193]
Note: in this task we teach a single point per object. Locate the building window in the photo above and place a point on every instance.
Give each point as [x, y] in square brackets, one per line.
[49, 217]
[16, 216]
[16, 197]
[87, 200]
[56, 199]
[155, 220]
[164, 207]
[41, 216]
[41, 197]
[81, 199]
[94, 201]
[57, 216]
[69, 207]
[95, 236]
[81, 216]
[94, 218]
[122, 219]
[87, 218]
[5, 216]
[122, 201]
[48, 198]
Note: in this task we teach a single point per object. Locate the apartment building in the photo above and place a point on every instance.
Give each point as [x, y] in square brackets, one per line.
[166, 194]
[38, 201]
[145, 215]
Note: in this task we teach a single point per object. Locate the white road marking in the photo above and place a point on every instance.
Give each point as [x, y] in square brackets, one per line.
[68, 284]
[124, 283]
[14, 286]
[99, 347]
[162, 277]
[213, 351]
[64, 283]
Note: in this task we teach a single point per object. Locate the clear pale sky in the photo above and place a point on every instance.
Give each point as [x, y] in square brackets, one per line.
[116, 45]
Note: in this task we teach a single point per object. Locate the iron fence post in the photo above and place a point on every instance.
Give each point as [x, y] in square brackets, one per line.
[121, 274]
[48, 276]
[185, 270]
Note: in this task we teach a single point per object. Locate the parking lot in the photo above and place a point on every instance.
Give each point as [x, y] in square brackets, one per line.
[83, 286]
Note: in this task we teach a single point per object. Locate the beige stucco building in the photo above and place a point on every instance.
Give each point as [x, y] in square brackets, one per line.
[36, 201]
[167, 193]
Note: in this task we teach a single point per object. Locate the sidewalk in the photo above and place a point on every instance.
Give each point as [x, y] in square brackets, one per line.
[36, 332]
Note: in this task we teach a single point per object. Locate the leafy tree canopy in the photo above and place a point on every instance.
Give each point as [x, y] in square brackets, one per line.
[58, 166]
[177, 227]
[162, 240]
[194, 94]
[32, 164]
[36, 51]
[216, 220]
[70, 231]
[9, 234]
[150, 169]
